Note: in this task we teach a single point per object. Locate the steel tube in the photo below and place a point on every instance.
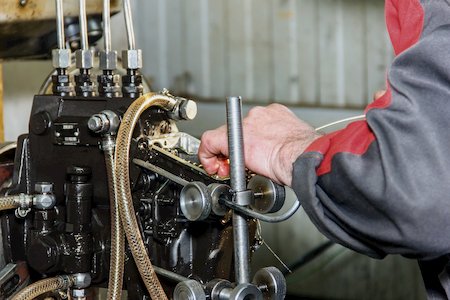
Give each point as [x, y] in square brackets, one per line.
[169, 275]
[238, 184]
[60, 24]
[83, 26]
[129, 24]
[107, 24]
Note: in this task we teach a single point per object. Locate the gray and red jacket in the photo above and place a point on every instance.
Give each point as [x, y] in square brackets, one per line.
[382, 186]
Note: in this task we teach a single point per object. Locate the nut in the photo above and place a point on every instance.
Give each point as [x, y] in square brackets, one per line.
[132, 59]
[81, 280]
[43, 187]
[61, 58]
[188, 110]
[44, 201]
[84, 59]
[108, 60]
[78, 293]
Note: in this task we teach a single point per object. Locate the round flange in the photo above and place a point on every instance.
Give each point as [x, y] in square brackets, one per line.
[216, 286]
[189, 290]
[246, 291]
[268, 196]
[218, 190]
[273, 282]
[195, 201]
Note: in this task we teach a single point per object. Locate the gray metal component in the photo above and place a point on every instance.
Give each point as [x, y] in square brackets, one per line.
[238, 184]
[272, 283]
[84, 59]
[265, 218]
[105, 122]
[160, 171]
[107, 26]
[188, 110]
[217, 191]
[81, 280]
[79, 294]
[108, 60]
[60, 24]
[168, 274]
[219, 289]
[132, 59]
[7, 273]
[195, 201]
[268, 197]
[61, 58]
[189, 290]
[83, 26]
[246, 291]
[44, 199]
[129, 24]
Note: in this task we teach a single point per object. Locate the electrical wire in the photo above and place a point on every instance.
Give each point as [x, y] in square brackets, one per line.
[360, 117]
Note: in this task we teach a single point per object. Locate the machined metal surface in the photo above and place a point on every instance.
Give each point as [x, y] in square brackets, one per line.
[84, 59]
[129, 24]
[61, 58]
[189, 290]
[195, 201]
[217, 192]
[238, 184]
[246, 291]
[268, 196]
[60, 24]
[272, 283]
[132, 59]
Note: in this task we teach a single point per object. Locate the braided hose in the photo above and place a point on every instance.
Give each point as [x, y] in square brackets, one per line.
[123, 190]
[9, 202]
[43, 286]
[117, 236]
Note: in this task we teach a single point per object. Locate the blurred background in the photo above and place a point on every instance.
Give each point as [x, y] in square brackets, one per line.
[322, 58]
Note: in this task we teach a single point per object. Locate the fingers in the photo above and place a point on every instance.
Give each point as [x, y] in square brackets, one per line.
[212, 151]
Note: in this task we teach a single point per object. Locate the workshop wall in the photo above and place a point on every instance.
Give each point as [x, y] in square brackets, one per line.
[328, 53]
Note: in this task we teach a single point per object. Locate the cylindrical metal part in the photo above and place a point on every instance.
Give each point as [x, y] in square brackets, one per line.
[60, 24]
[129, 24]
[107, 25]
[238, 184]
[169, 274]
[83, 26]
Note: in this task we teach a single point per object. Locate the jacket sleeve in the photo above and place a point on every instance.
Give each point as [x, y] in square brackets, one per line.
[382, 185]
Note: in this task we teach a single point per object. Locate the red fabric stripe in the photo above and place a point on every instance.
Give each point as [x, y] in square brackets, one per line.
[404, 19]
[355, 139]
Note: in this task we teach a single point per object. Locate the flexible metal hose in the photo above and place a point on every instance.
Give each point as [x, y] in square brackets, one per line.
[43, 286]
[117, 234]
[123, 190]
[9, 202]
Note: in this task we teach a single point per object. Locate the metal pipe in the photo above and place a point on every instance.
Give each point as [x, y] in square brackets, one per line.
[107, 25]
[83, 26]
[169, 275]
[238, 185]
[60, 24]
[129, 24]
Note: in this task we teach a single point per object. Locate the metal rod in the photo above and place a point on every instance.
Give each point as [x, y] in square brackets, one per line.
[129, 24]
[169, 275]
[60, 24]
[107, 25]
[238, 184]
[83, 26]
[160, 171]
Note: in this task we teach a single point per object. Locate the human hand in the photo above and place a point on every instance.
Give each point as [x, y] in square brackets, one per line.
[273, 139]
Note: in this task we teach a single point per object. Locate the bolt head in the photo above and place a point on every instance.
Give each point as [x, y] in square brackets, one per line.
[132, 59]
[84, 59]
[188, 110]
[61, 58]
[95, 123]
[82, 280]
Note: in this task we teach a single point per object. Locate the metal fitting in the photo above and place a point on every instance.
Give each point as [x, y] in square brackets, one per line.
[44, 199]
[132, 59]
[189, 290]
[195, 201]
[84, 59]
[246, 291]
[108, 60]
[79, 294]
[105, 122]
[187, 109]
[61, 58]
[81, 280]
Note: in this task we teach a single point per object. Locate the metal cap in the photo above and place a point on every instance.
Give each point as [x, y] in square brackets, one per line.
[195, 201]
[189, 290]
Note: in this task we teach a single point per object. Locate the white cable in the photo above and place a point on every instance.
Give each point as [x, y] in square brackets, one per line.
[360, 117]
